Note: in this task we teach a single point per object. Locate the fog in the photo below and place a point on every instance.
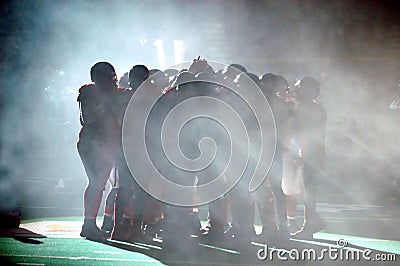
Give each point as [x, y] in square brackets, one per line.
[48, 47]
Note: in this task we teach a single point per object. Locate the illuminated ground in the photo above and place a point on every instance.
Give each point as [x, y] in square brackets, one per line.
[363, 227]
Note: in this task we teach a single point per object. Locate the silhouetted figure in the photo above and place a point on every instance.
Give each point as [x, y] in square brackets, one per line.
[120, 99]
[217, 220]
[131, 198]
[241, 203]
[310, 124]
[177, 223]
[98, 140]
[274, 88]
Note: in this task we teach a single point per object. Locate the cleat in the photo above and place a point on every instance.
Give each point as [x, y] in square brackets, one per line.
[92, 232]
[108, 224]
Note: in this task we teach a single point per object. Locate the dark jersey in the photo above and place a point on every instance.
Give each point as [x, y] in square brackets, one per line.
[98, 116]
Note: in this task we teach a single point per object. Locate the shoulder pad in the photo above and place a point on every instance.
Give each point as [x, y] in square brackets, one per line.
[84, 90]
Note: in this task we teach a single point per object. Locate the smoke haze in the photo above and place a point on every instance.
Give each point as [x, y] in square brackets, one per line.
[48, 47]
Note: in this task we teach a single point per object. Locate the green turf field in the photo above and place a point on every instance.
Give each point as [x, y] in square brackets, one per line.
[58, 243]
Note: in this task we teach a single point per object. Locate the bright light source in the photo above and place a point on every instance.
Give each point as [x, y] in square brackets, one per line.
[160, 53]
[179, 52]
